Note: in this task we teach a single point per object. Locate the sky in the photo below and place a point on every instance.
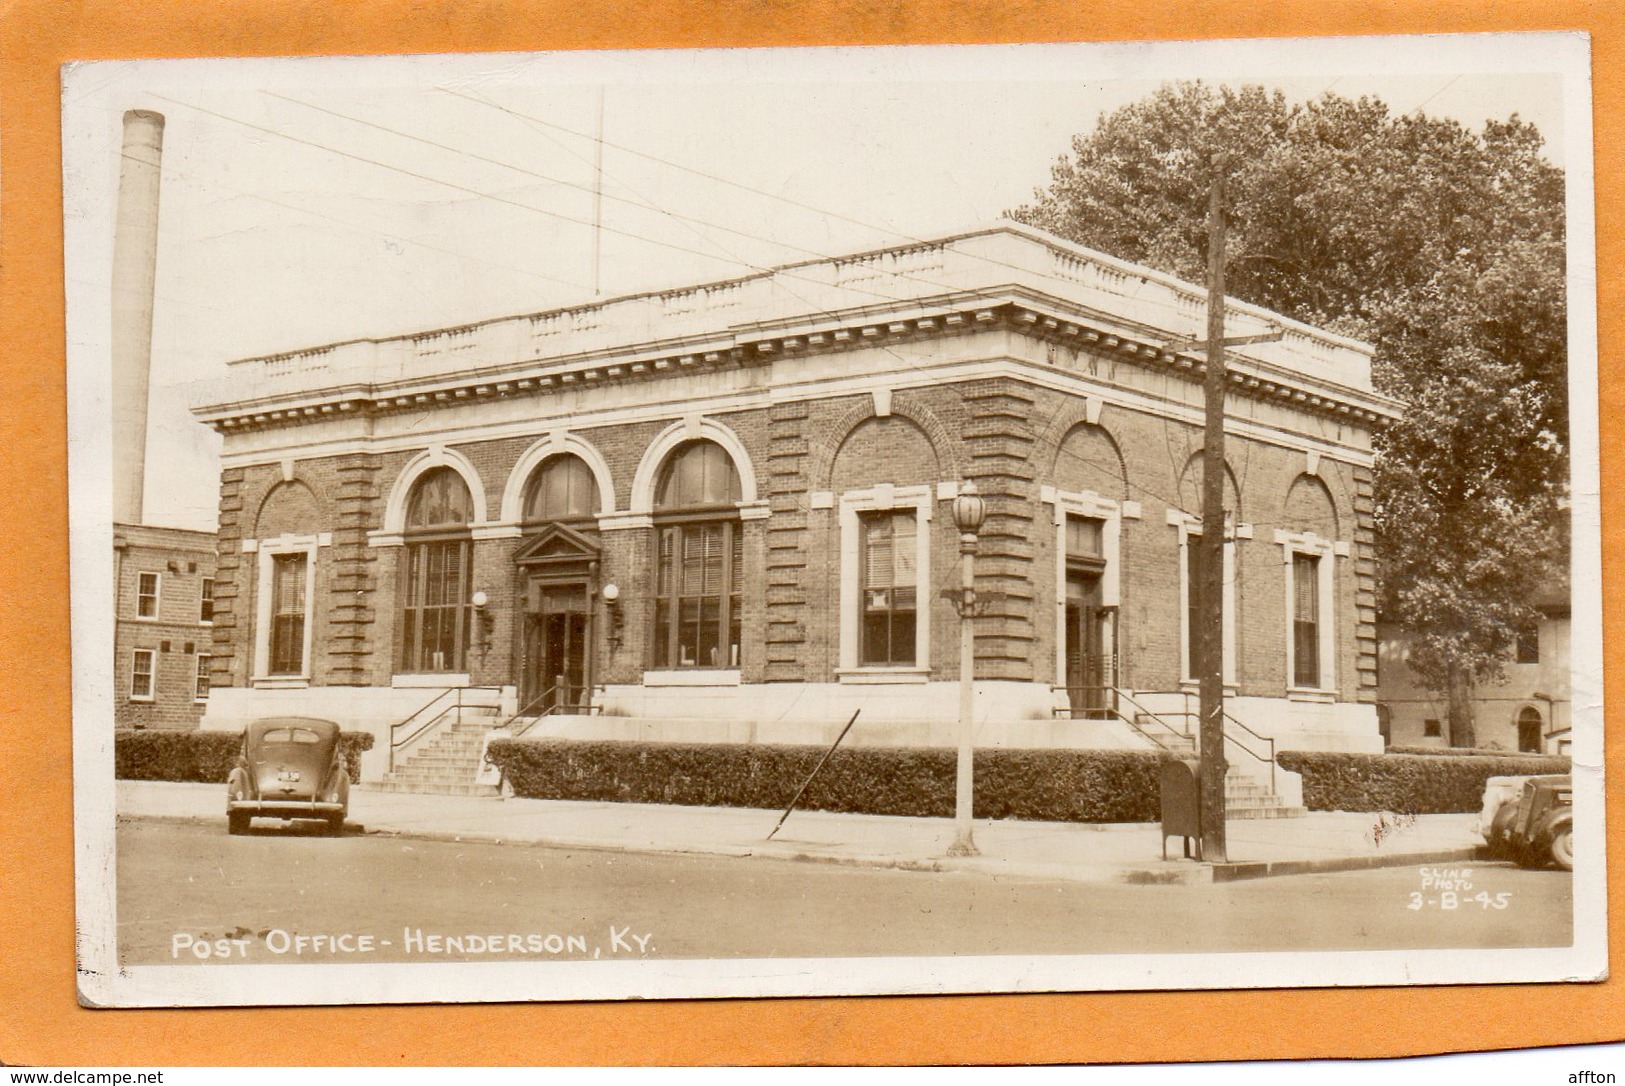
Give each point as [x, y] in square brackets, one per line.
[307, 201]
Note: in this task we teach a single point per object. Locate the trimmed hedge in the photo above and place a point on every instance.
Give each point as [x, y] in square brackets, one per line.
[1467, 752]
[1046, 785]
[1407, 783]
[202, 756]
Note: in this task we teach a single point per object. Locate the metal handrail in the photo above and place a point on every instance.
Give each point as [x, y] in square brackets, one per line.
[1254, 754]
[1073, 711]
[524, 711]
[1243, 747]
[1126, 696]
[1188, 715]
[396, 744]
[531, 723]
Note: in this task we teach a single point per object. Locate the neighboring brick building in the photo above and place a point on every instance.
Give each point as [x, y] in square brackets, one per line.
[725, 512]
[163, 628]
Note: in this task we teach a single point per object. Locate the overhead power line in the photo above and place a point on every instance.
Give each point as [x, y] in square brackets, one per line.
[214, 187]
[436, 180]
[642, 204]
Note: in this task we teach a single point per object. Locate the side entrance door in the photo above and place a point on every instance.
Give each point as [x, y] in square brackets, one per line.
[558, 628]
[1090, 677]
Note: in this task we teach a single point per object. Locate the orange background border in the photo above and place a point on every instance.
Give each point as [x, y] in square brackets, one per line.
[40, 1021]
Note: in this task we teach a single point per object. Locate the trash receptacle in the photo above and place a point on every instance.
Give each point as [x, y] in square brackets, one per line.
[1182, 803]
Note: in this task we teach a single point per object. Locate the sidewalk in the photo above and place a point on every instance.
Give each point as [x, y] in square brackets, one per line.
[1064, 850]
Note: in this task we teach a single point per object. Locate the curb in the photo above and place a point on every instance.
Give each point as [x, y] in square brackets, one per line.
[1186, 874]
[1259, 869]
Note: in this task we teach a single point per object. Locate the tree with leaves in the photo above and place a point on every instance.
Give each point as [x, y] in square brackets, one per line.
[1442, 247]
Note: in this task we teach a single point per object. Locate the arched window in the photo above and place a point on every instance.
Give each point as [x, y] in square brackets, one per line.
[435, 612]
[698, 473]
[698, 559]
[563, 488]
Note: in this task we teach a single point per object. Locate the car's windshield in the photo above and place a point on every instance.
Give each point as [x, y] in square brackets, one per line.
[290, 735]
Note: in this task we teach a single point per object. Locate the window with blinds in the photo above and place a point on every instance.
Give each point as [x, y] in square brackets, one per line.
[436, 617]
[699, 562]
[1305, 620]
[287, 656]
[888, 591]
[435, 608]
[1193, 610]
[698, 605]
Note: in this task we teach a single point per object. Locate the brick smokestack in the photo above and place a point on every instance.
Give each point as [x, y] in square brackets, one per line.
[135, 263]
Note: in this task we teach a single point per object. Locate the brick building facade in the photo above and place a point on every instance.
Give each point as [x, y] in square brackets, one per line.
[163, 626]
[724, 512]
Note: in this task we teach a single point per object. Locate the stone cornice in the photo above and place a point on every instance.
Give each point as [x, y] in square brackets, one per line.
[1029, 313]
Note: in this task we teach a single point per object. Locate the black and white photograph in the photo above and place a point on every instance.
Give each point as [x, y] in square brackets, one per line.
[784, 522]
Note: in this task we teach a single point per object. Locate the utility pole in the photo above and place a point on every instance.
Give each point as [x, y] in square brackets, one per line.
[1210, 554]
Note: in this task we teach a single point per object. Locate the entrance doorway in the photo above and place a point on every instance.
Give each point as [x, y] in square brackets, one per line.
[1090, 676]
[1529, 730]
[558, 630]
[557, 577]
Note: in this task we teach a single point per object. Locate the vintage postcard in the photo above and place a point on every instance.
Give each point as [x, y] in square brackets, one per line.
[736, 523]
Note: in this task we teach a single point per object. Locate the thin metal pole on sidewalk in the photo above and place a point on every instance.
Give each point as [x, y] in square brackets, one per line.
[814, 773]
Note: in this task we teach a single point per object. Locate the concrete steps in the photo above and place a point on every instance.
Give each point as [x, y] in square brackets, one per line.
[1158, 732]
[1245, 798]
[448, 764]
[462, 789]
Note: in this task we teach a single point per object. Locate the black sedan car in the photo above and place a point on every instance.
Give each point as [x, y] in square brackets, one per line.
[289, 767]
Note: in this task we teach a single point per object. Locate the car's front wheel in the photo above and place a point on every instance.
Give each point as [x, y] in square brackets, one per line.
[237, 822]
[1562, 848]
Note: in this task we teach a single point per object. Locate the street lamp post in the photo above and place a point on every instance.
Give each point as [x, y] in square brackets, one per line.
[969, 511]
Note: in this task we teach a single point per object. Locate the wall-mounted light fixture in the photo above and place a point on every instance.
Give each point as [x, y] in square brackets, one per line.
[612, 607]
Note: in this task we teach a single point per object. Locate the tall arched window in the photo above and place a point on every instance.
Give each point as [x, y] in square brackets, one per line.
[698, 559]
[435, 614]
[563, 488]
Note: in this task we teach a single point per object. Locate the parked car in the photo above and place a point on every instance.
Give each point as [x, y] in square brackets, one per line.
[289, 767]
[1536, 825]
[1496, 813]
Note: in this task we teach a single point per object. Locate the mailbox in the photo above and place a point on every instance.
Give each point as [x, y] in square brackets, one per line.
[1182, 803]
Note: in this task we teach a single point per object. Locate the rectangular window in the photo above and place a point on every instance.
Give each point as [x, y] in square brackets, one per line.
[146, 595]
[1306, 620]
[288, 613]
[698, 608]
[1193, 612]
[206, 604]
[1085, 537]
[1431, 729]
[202, 693]
[888, 590]
[435, 622]
[1528, 647]
[142, 665]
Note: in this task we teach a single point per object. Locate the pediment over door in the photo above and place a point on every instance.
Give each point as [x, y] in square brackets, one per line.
[557, 546]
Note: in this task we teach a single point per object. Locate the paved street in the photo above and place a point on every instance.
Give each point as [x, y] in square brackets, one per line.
[186, 890]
